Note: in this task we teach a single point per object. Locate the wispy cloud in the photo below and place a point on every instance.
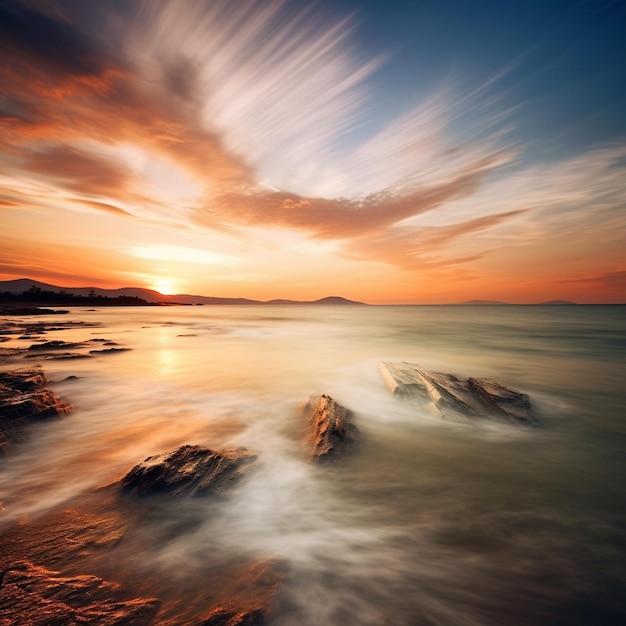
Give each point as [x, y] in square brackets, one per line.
[613, 280]
[181, 254]
[79, 171]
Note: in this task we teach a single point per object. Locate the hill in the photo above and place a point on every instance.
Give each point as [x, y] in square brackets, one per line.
[23, 285]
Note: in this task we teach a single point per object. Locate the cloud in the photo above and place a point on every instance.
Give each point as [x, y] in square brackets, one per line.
[415, 248]
[99, 97]
[101, 206]
[55, 47]
[612, 280]
[79, 171]
[336, 218]
[37, 257]
[181, 254]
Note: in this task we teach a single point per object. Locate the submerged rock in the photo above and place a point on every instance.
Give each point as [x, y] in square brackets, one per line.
[109, 350]
[30, 594]
[331, 432]
[221, 616]
[187, 471]
[248, 599]
[57, 356]
[55, 344]
[447, 396]
[24, 399]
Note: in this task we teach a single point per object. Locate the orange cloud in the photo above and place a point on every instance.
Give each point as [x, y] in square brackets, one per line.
[102, 206]
[333, 218]
[78, 170]
[611, 280]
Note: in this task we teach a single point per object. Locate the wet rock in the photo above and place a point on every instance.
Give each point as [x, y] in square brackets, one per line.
[447, 396]
[33, 595]
[55, 345]
[30, 311]
[187, 471]
[225, 617]
[9, 352]
[57, 356]
[331, 432]
[248, 599]
[109, 350]
[24, 399]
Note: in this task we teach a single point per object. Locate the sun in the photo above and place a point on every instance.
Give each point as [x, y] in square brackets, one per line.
[164, 286]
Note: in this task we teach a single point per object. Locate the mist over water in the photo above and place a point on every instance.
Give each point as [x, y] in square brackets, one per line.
[430, 522]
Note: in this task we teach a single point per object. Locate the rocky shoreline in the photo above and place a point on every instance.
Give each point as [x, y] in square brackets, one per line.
[64, 567]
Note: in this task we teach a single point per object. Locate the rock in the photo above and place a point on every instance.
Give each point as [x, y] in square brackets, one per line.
[8, 310]
[331, 432]
[24, 398]
[447, 396]
[248, 599]
[187, 471]
[109, 350]
[55, 345]
[57, 356]
[225, 617]
[9, 352]
[33, 595]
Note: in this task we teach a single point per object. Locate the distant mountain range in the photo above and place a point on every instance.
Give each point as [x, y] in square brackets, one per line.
[21, 285]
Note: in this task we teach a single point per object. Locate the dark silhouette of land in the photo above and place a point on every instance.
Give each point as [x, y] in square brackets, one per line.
[25, 291]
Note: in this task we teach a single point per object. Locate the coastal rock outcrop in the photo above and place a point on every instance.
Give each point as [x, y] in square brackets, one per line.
[30, 594]
[330, 429]
[187, 471]
[24, 399]
[447, 396]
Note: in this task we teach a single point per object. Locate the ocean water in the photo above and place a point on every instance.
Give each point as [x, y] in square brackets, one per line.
[430, 522]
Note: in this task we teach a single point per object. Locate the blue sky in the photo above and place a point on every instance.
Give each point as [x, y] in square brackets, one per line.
[564, 63]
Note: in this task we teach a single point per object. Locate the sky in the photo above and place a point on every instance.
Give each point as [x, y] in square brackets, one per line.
[432, 151]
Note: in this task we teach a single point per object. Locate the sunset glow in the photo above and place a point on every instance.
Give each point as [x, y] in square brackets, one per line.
[277, 150]
[163, 285]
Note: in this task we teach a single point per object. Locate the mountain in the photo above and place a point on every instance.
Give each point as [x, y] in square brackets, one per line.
[25, 284]
[329, 300]
[21, 285]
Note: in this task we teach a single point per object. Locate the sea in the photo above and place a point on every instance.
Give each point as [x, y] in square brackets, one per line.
[428, 522]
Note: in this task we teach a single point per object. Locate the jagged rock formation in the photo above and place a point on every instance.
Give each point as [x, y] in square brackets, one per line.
[33, 595]
[447, 396]
[25, 398]
[187, 471]
[331, 432]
